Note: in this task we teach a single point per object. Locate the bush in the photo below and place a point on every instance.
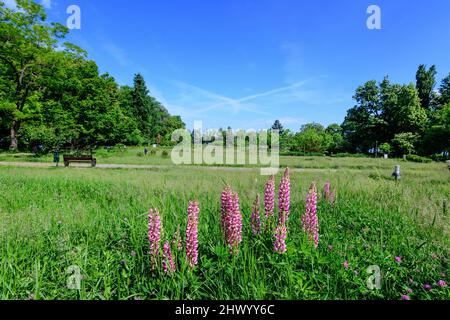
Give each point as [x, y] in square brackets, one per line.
[165, 154]
[301, 154]
[349, 155]
[419, 159]
[439, 157]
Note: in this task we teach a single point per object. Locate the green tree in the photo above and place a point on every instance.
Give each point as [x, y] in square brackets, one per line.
[404, 143]
[425, 82]
[278, 126]
[364, 124]
[312, 138]
[437, 136]
[444, 91]
[27, 42]
[141, 105]
[336, 136]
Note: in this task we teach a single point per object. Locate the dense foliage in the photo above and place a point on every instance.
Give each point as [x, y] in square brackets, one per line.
[53, 96]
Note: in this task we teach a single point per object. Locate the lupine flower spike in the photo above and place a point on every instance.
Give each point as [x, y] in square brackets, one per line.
[327, 194]
[234, 225]
[168, 263]
[327, 190]
[256, 218]
[192, 234]
[154, 235]
[280, 239]
[225, 207]
[309, 219]
[269, 197]
[284, 198]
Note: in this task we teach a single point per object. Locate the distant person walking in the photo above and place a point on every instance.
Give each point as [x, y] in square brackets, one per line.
[145, 151]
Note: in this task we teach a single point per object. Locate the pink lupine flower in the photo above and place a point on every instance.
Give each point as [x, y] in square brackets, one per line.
[256, 218]
[345, 264]
[154, 234]
[326, 190]
[442, 283]
[332, 197]
[269, 197]
[327, 194]
[168, 263]
[284, 198]
[234, 225]
[280, 239]
[225, 207]
[398, 259]
[192, 234]
[309, 219]
[406, 297]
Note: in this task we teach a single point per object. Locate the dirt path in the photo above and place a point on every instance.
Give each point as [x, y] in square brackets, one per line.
[142, 166]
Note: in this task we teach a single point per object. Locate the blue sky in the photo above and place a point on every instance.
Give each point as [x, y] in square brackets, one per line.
[246, 63]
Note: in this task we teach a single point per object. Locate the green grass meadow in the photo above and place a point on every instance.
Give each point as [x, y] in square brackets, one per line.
[96, 219]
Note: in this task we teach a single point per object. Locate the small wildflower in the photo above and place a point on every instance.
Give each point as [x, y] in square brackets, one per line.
[406, 297]
[409, 290]
[426, 287]
[330, 248]
[345, 264]
[442, 283]
[398, 259]
[133, 253]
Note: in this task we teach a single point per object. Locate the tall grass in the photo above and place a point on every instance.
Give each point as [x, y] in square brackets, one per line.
[55, 218]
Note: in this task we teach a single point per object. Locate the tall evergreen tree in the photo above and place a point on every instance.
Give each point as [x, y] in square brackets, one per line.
[425, 82]
[278, 126]
[444, 91]
[141, 105]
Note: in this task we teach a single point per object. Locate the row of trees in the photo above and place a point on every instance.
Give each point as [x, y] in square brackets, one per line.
[53, 96]
[387, 118]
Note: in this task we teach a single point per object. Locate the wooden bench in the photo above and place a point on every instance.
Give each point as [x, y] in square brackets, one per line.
[69, 159]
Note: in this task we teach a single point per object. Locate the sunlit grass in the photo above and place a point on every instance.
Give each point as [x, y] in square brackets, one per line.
[96, 219]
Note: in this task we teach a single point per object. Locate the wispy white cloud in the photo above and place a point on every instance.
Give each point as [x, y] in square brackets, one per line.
[47, 4]
[117, 53]
[242, 104]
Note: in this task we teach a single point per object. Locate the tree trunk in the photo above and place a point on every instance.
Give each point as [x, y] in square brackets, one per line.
[14, 127]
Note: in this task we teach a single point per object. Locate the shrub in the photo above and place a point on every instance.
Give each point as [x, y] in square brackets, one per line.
[419, 159]
[165, 154]
[349, 155]
[439, 157]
